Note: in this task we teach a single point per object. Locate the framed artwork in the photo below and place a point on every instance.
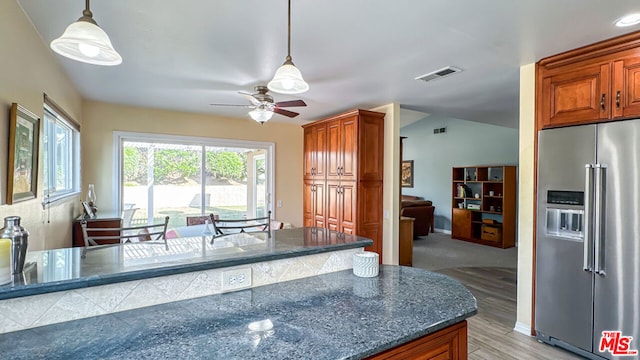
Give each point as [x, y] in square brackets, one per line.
[407, 173]
[22, 174]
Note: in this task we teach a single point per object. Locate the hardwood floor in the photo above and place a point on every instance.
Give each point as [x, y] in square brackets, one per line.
[491, 334]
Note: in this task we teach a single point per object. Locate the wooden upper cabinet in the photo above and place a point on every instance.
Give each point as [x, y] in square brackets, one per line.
[626, 88]
[595, 83]
[342, 148]
[315, 142]
[576, 96]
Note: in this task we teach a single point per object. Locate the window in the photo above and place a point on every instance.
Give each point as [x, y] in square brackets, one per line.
[179, 176]
[61, 155]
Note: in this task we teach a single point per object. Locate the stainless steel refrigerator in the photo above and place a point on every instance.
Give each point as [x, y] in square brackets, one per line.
[588, 237]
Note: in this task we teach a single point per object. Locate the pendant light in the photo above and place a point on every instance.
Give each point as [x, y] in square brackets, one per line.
[85, 41]
[288, 79]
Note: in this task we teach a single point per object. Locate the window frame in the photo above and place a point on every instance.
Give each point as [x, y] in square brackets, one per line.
[54, 118]
[119, 137]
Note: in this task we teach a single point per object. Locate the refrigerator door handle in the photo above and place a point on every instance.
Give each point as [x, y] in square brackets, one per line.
[586, 226]
[599, 218]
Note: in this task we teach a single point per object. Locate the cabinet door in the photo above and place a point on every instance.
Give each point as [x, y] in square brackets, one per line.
[371, 148]
[314, 151]
[320, 135]
[309, 153]
[348, 207]
[626, 88]
[461, 224]
[349, 148]
[369, 213]
[576, 96]
[319, 204]
[334, 149]
[308, 201]
[333, 206]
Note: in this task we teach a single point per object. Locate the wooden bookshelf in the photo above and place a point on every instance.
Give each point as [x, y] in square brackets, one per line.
[483, 202]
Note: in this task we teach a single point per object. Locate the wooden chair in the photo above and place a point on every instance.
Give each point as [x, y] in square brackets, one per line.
[140, 233]
[199, 220]
[224, 227]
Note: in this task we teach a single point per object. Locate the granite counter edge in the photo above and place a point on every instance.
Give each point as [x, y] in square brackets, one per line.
[97, 280]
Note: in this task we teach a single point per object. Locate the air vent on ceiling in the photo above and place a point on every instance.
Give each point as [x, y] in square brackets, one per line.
[439, 73]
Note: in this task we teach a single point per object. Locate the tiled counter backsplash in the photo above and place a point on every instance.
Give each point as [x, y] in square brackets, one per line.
[39, 310]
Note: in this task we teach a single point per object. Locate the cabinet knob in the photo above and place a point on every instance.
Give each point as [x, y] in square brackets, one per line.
[618, 99]
[602, 101]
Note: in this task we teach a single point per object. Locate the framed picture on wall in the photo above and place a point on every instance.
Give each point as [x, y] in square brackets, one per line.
[22, 174]
[407, 173]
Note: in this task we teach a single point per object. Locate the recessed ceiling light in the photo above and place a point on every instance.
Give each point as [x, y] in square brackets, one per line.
[628, 20]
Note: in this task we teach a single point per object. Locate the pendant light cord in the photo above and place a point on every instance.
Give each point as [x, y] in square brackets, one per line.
[288, 33]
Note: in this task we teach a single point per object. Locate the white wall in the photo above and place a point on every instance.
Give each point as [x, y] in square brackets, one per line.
[465, 143]
[102, 119]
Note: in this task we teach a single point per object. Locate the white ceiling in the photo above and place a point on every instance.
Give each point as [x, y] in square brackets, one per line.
[184, 55]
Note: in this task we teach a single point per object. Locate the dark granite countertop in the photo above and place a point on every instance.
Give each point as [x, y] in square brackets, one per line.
[65, 269]
[332, 316]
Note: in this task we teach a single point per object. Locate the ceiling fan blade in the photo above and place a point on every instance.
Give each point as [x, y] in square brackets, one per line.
[246, 106]
[288, 113]
[291, 103]
[253, 100]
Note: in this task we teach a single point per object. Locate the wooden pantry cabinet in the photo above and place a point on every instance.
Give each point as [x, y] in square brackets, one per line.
[595, 83]
[484, 205]
[343, 172]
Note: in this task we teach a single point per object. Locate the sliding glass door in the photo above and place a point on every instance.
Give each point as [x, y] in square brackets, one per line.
[179, 177]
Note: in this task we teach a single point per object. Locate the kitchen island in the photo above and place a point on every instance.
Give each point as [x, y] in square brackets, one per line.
[63, 285]
[330, 316]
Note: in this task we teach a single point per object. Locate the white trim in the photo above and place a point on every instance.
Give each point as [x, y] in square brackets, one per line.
[444, 231]
[120, 136]
[522, 328]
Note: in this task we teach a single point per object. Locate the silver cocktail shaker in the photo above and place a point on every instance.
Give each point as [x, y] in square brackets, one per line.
[19, 240]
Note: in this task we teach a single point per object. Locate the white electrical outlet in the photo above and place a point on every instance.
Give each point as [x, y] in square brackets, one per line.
[236, 279]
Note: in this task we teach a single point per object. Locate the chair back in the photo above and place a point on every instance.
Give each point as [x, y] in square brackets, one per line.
[199, 220]
[231, 226]
[127, 215]
[125, 234]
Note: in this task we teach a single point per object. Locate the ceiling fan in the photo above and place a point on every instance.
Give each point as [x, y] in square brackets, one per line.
[263, 105]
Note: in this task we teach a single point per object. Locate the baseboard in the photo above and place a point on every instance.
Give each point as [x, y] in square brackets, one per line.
[444, 231]
[522, 328]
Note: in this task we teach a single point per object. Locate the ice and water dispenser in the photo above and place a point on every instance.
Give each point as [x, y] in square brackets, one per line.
[565, 213]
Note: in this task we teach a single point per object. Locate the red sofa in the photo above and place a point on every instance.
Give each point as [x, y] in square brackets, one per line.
[421, 210]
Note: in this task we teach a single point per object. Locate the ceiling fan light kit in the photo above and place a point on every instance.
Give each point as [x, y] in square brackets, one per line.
[261, 115]
[263, 105]
[288, 79]
[86, 42]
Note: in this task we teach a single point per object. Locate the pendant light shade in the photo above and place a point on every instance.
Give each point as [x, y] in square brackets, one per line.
[261, 115]
[288, 79]
[85, 41]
